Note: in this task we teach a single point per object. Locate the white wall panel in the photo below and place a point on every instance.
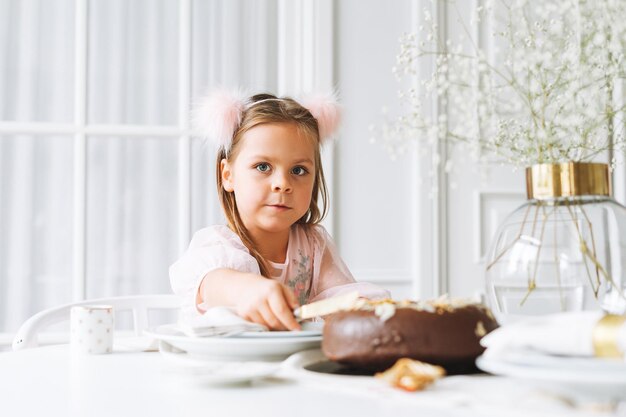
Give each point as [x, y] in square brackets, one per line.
[489, 211]
[389, 229]
[471, 224]
[476, 208]
[373, 198]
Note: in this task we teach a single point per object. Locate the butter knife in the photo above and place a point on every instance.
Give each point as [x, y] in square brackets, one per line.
[327, 306]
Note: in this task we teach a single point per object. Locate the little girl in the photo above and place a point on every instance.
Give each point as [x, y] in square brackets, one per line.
[273, 255]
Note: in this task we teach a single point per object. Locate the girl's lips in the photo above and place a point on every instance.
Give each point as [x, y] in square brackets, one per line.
[278, 207]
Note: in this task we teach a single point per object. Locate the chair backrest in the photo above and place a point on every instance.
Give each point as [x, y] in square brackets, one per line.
[26, 336]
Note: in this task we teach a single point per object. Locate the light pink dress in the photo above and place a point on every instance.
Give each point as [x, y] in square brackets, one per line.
[312, 269]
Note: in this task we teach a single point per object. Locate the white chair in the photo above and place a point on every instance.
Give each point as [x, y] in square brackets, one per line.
[27, 335]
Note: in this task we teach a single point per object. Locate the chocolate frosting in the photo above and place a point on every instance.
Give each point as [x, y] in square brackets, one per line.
[446, 337]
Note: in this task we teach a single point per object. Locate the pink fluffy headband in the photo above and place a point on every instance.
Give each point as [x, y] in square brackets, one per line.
[218, 115]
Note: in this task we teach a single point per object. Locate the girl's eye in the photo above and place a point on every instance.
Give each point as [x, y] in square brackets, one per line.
[263, 167]
[299, 171]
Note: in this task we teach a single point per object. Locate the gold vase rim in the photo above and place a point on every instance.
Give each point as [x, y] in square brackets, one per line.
[568, 179]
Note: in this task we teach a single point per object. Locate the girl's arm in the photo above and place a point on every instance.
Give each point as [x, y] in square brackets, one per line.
[254, 297]
[218, 270]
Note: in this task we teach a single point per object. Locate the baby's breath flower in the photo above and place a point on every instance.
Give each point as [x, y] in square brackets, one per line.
[545, 95]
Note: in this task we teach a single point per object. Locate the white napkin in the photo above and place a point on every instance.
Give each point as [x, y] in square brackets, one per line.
[567, 334]
[217, 321]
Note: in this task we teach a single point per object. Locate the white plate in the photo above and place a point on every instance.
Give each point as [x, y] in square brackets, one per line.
[235, 348]
[217, 372]
[278, 334]
[308, 329]
[577, 378]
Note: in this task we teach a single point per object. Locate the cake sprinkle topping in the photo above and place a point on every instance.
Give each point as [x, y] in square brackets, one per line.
[386, 308]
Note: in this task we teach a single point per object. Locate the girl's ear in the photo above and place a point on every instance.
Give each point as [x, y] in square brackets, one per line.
[227, 175]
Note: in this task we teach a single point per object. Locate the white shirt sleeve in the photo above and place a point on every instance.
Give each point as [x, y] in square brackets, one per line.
[214, 247]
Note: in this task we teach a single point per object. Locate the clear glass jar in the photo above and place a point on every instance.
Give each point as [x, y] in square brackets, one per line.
[563, 250]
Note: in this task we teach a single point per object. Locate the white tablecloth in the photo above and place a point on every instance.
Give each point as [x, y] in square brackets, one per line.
[49, 381]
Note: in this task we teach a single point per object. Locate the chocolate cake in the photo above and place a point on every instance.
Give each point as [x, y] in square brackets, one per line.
[375, 334]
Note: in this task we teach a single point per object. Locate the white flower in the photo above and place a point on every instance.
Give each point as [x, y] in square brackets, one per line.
[545, 96]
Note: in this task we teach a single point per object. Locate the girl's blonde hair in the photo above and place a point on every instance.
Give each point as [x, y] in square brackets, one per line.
[266, 108]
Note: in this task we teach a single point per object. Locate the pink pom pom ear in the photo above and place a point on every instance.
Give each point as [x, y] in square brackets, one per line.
[326, 110]
[217, 116]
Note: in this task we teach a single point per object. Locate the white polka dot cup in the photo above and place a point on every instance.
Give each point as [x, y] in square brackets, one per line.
[91, 329]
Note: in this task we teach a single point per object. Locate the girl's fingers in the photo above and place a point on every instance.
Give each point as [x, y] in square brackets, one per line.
[274, 323]
[256, 317]
[283, 311]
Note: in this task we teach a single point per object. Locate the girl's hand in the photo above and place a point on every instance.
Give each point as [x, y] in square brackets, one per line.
[265, 301]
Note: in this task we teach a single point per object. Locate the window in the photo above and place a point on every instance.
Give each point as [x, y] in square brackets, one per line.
[101, 183]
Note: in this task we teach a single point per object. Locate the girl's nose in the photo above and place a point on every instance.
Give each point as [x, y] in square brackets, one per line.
[280, 183]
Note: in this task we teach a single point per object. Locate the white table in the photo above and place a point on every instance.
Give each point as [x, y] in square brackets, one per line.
[49, 381]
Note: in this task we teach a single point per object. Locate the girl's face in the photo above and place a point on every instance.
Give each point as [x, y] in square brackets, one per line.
[272, 176]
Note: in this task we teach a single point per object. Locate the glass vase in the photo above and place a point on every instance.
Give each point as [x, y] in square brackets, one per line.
[563, 250]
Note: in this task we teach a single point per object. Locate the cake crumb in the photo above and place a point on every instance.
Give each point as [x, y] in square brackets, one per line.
[480, 330]
[385, 311]
[411, 375]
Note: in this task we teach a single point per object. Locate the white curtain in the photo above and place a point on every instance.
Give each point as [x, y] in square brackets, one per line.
[132, 78]
[36, 84]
